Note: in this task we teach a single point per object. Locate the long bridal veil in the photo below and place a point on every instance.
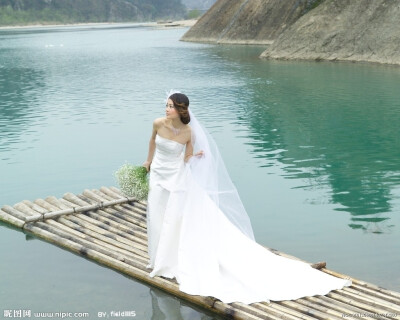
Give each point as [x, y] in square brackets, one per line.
[210, 173]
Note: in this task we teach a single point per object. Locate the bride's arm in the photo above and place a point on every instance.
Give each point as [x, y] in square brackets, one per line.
[189, 151]
[152, 145]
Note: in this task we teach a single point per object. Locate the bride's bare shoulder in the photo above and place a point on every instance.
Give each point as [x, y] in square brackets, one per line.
[187, 131]
[159, 122]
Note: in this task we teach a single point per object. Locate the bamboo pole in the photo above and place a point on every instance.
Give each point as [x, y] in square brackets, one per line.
[102, 195]
[95, 197]
[22, 207]
[108, 216]
[132, 210]
[110, 227]
[285, 311]
[75, 199]
[377, 294]
[116, 222]
[117, 230]
[58, 203]
[14, 213]
[328, 311]
[29, 212]
[90, 221]
[99, 236]
[375, 302]
[134, 253]
[354, 302]
[111, 213]
[262, 313]
[128, 218]
[139, 203]
[142, 251]
[375, 299]
[142, 209]
[116, 190]
[364, 283]
[4, 216]
[308, 310]
[47, 206]
[36, 207]
[135, 261]
[137, 242]
[114, 195]
[110, 193]
[137, 206]
[317, 265]
[345, 309]
[91, 195]
[73, 210]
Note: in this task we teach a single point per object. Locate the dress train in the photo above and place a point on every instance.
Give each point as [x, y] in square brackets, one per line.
[192, 240]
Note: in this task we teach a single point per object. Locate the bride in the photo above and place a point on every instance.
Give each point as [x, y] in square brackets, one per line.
[198, 230]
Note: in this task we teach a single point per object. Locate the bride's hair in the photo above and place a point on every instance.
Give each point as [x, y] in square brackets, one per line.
[181, 104]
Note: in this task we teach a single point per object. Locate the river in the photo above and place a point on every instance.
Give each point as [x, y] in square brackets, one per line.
[313, 149]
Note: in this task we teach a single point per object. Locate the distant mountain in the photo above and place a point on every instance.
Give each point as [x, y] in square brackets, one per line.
[69, 11]
[198, 4]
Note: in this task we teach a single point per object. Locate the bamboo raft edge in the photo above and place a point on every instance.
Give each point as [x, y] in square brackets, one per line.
[83, 224]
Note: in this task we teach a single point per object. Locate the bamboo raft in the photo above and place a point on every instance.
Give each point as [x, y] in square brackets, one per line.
[109, 228]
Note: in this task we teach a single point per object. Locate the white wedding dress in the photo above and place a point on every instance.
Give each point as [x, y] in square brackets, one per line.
[191, 239]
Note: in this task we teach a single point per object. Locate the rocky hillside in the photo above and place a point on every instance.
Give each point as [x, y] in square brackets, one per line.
[247, 21]
[353, 30]
[69, 11]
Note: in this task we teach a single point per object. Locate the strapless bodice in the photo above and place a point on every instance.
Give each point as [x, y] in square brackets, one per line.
[167, 167]
[168, 150]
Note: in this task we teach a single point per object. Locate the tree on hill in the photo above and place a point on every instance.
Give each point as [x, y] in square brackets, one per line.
[69, 11]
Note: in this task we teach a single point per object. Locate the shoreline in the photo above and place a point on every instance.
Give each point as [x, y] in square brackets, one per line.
[159, 24]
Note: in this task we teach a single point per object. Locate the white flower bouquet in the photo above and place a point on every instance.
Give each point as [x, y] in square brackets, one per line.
[133, 181]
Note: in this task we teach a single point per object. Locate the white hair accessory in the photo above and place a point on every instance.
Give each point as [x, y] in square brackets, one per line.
[170, 93]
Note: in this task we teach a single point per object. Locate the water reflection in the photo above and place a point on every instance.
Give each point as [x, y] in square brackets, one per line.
[13, 32]
[166, 306]
[19, 89]
[330, 126]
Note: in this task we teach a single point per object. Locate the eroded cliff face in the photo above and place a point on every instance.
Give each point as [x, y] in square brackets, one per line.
[352, 30]
[247, 21]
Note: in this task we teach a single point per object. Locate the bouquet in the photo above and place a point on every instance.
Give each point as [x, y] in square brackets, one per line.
[132, 181]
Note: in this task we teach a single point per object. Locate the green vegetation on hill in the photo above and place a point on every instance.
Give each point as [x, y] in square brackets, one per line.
[24, 12]
[198, 4]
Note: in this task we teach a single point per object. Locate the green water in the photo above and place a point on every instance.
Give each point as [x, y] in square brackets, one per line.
[313, 149]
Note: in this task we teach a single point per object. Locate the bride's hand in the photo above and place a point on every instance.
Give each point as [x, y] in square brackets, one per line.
[146, 164]
[199, 154]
